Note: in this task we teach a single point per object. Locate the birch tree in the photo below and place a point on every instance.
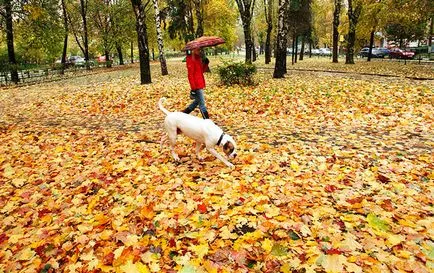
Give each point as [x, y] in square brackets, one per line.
[160, 41]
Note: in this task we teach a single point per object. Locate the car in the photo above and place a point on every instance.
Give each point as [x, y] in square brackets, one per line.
[376, 53]
[398, 53]
[325, 52]
[77, 60]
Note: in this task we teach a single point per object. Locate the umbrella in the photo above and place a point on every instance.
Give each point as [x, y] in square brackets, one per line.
[204, 41]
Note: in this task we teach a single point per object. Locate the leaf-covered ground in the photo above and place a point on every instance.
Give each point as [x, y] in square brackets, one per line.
[334, 174]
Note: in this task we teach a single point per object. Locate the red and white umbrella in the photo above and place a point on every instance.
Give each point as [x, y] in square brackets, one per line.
[204, 41]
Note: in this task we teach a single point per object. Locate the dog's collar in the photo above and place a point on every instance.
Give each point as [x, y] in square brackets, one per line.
[220, 139]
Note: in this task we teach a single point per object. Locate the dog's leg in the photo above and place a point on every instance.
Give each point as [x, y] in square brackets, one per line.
[199, 147]
[216, 154]
[163, 140]
[172, 141]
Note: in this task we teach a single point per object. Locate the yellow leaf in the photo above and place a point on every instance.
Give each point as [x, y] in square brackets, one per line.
[286, 268]
[294, 166]
[130, 267]
[267, 245]
[334, 263]
[200, 250]
[209, 267]
[393, 240]
[226, 234]
[26, 254]
[8, 171]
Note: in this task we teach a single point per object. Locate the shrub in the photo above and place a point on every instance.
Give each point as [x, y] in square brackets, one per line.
[237, 73]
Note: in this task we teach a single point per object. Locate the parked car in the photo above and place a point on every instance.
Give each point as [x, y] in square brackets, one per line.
[325, 52]
[385, 51]
[77, 60]
[401, 54]
[376, 53]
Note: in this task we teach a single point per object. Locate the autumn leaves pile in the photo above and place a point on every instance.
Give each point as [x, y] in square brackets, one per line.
[334, 174]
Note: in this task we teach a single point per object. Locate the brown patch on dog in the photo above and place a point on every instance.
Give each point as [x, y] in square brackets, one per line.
[178, 131]
[228, 148]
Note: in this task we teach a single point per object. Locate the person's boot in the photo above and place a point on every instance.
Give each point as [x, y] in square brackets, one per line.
[187, 111]
[205, 114]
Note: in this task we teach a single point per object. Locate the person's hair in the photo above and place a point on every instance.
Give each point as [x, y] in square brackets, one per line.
[188, 52]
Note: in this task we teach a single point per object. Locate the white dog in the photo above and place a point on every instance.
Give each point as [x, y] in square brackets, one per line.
[203, 131]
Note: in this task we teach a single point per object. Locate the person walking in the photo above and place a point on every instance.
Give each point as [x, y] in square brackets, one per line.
[195, 69]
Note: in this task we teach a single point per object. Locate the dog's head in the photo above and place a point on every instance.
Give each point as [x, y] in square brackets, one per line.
[229, 146]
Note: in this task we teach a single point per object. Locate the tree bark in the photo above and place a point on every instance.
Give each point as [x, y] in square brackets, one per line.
[83, 12]
[371, 44]
[246, 8]
[13, 66]
[282, 33]
[65, 40]
[160, 41]
[142, 37]
[336, 15]
[132, 51]
[120, 55]
[353, 16]
[303, 42]
[199, 17]
[430, 37]
[268, 5]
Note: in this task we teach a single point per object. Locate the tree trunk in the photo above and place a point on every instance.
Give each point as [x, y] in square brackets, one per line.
[268, 5]
[13, 66]
[132, 52]
[430, 37]
[303, 41]
[336, 14]
[108, 62]
[268, 45]
[83, 12]
[120, 55]
[65, 40]
[282, 33]
[199, 17]
[371, 44]
[353, 16]
[253, 49]
[246, 8]
[142, 37]
[160, 41]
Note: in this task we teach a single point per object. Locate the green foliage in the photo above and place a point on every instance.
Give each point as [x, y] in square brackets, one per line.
[237, 73]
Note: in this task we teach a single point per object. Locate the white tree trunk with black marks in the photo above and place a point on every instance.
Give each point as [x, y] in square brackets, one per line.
[160, 41]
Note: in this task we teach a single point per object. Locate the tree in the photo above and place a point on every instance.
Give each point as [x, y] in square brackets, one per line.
[103, 20]
[353, 18]
[65, 40]
[160, 39]
[268, 6]
[246, 8]
[198, 6]
[336, 15]
[7, 14]
[282, 33]
[77, 19]
[180, 16]
[142, 36]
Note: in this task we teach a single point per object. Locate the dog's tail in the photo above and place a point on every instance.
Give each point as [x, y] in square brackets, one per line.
[160, 104]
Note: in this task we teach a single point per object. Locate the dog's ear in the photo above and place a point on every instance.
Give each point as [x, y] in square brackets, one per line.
[228, 147]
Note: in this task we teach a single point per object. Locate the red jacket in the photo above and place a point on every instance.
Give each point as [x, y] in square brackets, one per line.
[195, 69]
